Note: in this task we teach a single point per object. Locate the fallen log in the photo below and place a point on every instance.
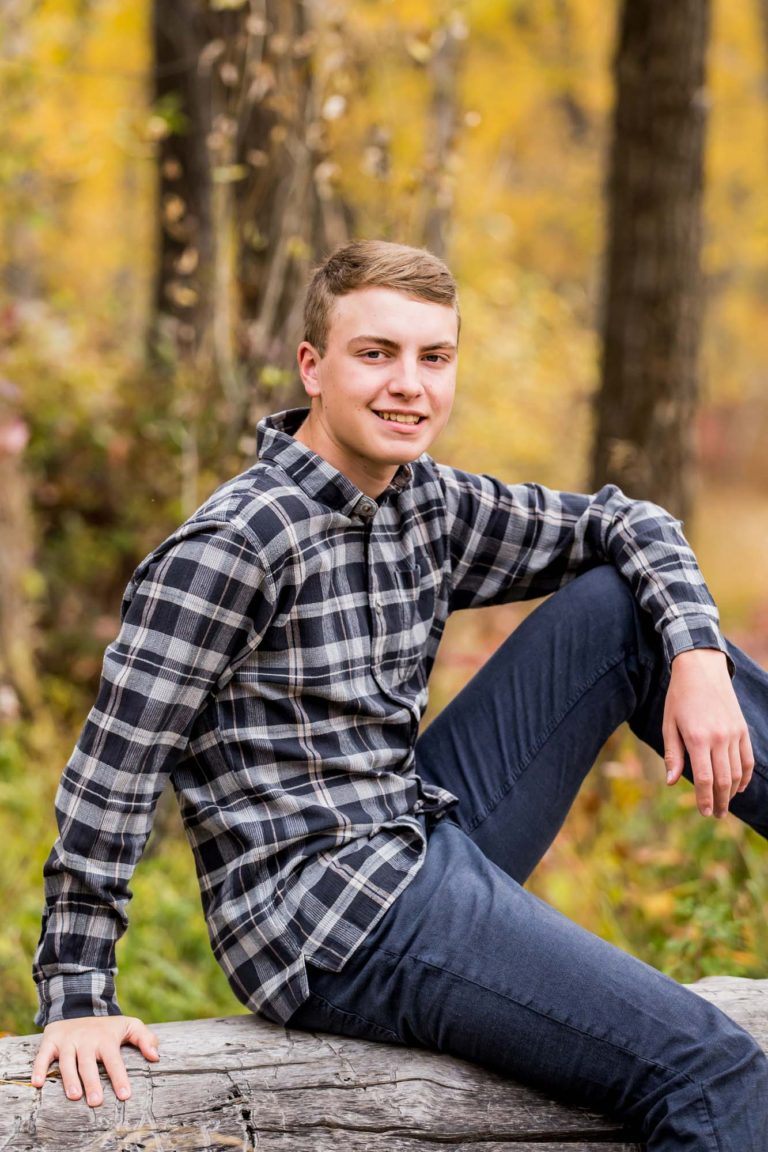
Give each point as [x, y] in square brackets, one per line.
[241, 1084]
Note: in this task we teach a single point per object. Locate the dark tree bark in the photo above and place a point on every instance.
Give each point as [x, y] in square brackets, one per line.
[286, 211]
[762, 8]
[653, 285]
[246, 205]
[183, 305]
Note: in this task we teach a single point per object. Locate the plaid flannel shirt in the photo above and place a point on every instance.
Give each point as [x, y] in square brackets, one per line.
[273, 662]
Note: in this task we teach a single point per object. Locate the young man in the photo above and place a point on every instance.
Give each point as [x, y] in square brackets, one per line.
[356, 876]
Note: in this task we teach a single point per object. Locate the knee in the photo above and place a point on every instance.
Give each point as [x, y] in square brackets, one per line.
[603, 587]
[718, 1084]
[727, 1063]
[738, 1057]
[735, 1091]
[605, 602]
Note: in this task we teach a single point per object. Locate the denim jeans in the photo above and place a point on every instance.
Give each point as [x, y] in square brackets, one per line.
[469, 963]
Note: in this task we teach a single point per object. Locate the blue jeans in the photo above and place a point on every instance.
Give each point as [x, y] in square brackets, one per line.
[467, 962]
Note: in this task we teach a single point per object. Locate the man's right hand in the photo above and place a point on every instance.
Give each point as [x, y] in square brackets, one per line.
[81, 1044]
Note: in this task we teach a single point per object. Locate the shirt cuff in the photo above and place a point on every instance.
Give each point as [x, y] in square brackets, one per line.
[684, 633]
[70, 995]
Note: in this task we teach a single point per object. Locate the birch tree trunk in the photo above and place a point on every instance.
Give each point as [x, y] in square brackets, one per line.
[444, 67]
[653, 283]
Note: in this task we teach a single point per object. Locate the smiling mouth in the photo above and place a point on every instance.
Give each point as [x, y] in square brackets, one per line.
[400, 417]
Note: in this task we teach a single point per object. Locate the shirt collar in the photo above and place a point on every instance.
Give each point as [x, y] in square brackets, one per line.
[314, 475]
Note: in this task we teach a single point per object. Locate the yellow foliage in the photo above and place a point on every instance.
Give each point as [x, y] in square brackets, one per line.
[526, 181]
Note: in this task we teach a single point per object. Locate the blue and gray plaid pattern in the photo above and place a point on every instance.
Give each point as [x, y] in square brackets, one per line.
[273, 662]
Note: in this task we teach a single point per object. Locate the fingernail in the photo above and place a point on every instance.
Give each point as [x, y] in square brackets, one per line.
[123, 1093]
[670, 777]
[706, 811]
[154, 1053]
[73, 1094]
[93, 1099]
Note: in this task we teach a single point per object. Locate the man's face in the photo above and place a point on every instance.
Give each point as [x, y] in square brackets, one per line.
[384, 388]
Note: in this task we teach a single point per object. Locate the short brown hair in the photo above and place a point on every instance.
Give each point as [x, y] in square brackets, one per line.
[374, 264]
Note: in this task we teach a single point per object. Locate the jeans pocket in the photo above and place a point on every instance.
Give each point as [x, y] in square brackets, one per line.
[319, 1013]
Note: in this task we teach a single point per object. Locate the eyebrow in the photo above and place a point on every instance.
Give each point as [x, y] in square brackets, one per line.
[393, 346]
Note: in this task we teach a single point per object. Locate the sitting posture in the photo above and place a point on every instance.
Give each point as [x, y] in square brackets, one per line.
[360, 877]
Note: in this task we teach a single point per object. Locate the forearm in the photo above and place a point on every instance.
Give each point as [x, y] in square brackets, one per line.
[648, 548]
[515, 542]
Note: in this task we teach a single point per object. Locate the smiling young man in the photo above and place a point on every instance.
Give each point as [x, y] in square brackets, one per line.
[359, 877]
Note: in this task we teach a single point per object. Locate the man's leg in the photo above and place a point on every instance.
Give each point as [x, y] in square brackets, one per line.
[469, 963]
[515, 745]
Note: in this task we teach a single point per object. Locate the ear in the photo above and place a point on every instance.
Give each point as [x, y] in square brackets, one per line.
[309, 359]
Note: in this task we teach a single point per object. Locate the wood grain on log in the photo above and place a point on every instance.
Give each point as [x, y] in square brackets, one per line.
[243, 1085]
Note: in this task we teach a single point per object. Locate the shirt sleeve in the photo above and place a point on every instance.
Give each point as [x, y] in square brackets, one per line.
[516, 542]
[194, 610]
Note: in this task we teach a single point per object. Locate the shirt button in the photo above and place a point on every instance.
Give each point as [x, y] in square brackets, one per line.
[366, 507]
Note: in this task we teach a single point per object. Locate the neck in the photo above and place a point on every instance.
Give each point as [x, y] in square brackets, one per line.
[362, 473]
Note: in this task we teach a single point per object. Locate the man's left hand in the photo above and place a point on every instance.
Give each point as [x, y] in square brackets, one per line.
[703, 716]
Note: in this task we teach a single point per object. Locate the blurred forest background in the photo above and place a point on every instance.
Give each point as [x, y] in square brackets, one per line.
[597, 176]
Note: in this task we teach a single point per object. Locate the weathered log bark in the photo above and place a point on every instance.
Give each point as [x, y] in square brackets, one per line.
[240, 1083]
[653, 283]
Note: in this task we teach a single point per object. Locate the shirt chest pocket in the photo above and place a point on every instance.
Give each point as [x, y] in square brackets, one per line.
[402, 611]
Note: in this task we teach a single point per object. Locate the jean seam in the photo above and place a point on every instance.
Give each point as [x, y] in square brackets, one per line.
[544, 1015]
[510, 782]
[710, 1122]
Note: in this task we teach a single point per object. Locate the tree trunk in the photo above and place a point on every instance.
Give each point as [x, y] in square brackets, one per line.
[246, 206]
[653, 285]
[444, 67]
[288, 215]
[183, 287]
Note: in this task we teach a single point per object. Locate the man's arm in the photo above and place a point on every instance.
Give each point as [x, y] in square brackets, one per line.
[196, 612]
[519, 541]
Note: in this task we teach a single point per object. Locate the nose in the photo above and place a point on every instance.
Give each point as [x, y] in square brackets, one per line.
[406, 379]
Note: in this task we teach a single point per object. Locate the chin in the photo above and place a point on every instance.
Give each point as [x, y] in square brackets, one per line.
[407, 456]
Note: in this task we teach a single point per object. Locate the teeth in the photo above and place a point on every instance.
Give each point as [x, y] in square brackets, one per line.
[399, 417]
